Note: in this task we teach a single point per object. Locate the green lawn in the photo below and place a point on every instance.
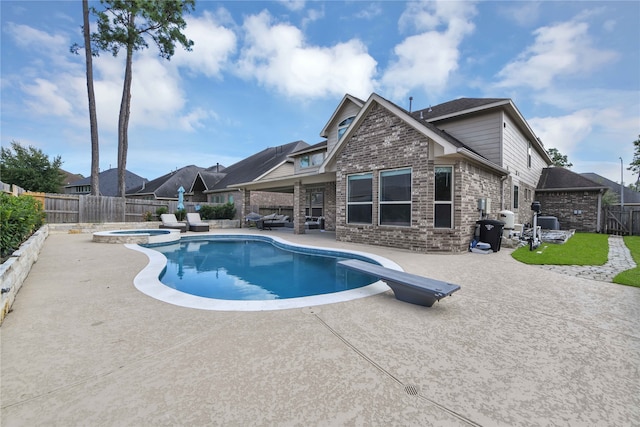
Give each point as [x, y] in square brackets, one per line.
[583, 249]
[631, 277]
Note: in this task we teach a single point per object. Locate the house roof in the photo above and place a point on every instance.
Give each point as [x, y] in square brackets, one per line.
[257, 165]
[166, 186]
[456, 106]
[311, 148]
[630, 196]
[108, 181]
[561, 179]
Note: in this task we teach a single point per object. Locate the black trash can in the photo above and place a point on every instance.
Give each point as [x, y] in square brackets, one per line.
[490, 231]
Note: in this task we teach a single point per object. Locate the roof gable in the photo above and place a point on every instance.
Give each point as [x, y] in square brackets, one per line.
[166, 186]
[449, 144]
[345, 100]
[630, 196]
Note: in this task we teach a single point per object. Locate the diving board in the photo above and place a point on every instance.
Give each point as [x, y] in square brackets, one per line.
[407, 287]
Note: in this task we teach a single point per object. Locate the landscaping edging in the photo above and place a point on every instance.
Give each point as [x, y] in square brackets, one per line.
[15, 270]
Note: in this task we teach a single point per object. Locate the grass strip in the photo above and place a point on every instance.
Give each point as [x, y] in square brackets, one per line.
[580, 249]
[631, 277]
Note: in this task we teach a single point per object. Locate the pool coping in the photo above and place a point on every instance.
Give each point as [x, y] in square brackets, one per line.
[147, 281]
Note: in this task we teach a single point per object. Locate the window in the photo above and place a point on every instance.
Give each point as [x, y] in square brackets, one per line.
[359, 198]
[516, 195]
[344, 125]
[395, 197]
[529, 155]
[217, 198]
[309, 160]
[443, 204]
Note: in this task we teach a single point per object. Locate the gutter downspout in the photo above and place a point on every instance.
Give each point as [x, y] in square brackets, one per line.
[502, 180]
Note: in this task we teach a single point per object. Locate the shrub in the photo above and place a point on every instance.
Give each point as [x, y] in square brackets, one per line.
[161, 210]
[20, 217]
[226, 211]
[147, 216]
[207, 212]
[180, 214]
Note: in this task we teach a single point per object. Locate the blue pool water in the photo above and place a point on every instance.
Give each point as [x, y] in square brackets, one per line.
[253, 269]
[152, 232]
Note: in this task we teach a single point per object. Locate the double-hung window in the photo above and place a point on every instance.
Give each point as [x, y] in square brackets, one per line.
[395, 197]
[360, 198]
[443, 203]
[516, 196]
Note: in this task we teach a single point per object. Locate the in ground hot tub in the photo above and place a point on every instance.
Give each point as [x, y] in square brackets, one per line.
[140, 237]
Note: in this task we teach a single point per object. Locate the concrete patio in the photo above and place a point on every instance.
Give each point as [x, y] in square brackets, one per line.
[517, 345]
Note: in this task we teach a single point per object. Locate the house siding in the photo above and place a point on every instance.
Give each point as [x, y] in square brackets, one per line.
[575, 210]
[282, 170]
[481, 133]
[382, 142]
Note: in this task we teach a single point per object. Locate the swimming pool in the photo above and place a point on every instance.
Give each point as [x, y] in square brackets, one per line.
[249, 256]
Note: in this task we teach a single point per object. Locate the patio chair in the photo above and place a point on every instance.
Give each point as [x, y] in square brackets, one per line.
[170, 221]
[195, 223]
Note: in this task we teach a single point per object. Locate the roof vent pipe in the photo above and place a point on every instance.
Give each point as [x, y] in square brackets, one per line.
[410, 102]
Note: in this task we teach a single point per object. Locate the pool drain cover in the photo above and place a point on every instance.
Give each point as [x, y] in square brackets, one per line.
[411, 390]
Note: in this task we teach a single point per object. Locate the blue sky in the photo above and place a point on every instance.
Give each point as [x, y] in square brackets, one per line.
[262, 74]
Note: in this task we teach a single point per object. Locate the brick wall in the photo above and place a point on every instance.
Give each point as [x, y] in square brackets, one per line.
[577, 210]
[383, 141]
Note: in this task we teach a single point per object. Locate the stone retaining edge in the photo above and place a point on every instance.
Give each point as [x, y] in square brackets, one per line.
[15, 270]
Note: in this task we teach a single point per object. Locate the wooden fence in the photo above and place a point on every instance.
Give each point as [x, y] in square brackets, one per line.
[622, 223]
[71, 208]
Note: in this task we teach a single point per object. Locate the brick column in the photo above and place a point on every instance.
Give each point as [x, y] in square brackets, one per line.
[298, 208]
[246, 206]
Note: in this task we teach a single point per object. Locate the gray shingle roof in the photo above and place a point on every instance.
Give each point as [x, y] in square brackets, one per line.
[455, 106]
[630, 196]
[166, 186]
[556, 178]
[256, 165]
[108, 181]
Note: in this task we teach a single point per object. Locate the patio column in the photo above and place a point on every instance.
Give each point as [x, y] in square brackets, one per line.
[246, 206]
[298, 208]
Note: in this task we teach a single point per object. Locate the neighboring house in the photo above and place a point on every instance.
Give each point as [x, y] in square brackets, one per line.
[166, 187]
[631, 197]
[573, 198]
[108, 182]
[390, 177]
[270, 163]
[69, 178]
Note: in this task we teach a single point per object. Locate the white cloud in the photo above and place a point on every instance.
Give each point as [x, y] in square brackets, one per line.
[427, 60]
[294, 5]
[559, 50]
[47, 98]
[277, 56]
[522, 13]
[213, 44]
[564, 132]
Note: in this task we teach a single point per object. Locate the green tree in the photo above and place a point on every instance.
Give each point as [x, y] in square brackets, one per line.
[30, 169]
[559, 159]
[128, 24]
[634, 166]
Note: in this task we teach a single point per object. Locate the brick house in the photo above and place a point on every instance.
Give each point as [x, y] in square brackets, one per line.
[390, 177]
[573, 198]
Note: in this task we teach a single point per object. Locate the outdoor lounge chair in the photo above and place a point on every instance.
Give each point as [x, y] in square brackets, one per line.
[195, 223]
[170, 221]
